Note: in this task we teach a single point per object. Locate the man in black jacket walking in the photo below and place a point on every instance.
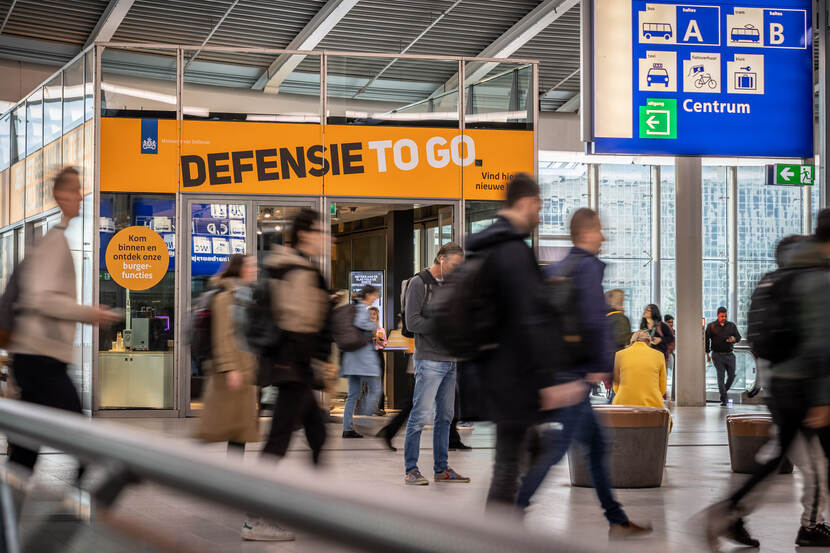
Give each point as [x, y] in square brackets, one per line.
[519, 372]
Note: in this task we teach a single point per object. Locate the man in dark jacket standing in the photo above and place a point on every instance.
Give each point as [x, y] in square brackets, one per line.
[721, 337]
[578, 422]
[518, 374]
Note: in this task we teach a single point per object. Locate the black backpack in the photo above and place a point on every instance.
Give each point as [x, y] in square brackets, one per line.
[427, 280]
[263, 335]
[201, 323]
[346, 335]
[7, 306]
[464, 311]
[771, 331]
[565, 301]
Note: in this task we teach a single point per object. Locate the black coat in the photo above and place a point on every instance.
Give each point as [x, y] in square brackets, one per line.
[524, 361]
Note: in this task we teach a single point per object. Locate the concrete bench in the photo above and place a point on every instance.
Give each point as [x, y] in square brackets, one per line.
[748, 432]
[638, 440]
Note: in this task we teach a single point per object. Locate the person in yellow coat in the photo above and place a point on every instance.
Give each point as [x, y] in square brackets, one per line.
[640, 373]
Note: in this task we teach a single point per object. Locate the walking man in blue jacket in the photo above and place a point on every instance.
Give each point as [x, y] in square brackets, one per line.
[578, 422]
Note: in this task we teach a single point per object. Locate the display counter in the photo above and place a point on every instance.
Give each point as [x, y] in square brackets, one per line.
[136, 379]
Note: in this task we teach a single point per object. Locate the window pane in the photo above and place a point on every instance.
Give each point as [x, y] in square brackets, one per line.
[625, 208]
[715, 287]
[89, 86]
[715, 213]
[73, 95]
[498, 96]
[668, 293]
[151, 96]
[634, 278]
[52, 110]
[479, 215]
[667, 211]
[18, 134]
[564, 190]
[5, 142]
[34, 122]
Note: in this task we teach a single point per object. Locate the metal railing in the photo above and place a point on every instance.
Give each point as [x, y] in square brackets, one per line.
[304, 499]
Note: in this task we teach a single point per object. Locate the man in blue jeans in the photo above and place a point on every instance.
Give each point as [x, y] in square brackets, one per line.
[435, 374]
[577, 422]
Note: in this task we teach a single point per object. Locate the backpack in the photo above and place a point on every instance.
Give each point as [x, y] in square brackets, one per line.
[201, 327]
[465, 314]
[428, 286]
[346, 335]
[260, 328]
[565, 301]
[7, 306]
[770, 329]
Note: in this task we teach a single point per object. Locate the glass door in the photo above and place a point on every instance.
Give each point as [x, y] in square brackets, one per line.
[219, 228]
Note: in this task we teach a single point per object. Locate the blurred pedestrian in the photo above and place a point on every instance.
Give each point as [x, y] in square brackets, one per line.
[721, 337]
[362, 366]
[230, 406]
[517, 377]
[47, 312]
[799, 386]
[577, 421]
[662, 338]
[300, 307]
[620, 323]
[435, 374]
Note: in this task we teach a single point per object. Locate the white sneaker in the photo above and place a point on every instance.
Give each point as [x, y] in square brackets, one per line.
[258, 529]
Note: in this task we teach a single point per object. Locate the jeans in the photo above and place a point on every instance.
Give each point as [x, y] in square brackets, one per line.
[576, 423]
[434, 387]
[368, 405]
[295, 405]
[725, 366]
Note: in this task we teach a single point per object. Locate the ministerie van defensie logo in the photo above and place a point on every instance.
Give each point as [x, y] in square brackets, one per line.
[149, 136]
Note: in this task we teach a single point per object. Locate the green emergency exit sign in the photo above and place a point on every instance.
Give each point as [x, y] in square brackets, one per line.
[791, 174]
[658, 118]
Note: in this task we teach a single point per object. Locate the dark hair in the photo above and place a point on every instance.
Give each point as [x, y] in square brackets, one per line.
[581, 219]
[823, 225]
[655, 316]
[721, 309]
[304, 221]
[668, 317]
[365, 291]
[447, 250]
[233, 268]
[521, 185]
[62, 177]
[785, 243]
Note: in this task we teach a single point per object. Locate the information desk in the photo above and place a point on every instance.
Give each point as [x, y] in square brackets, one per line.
[136, 379]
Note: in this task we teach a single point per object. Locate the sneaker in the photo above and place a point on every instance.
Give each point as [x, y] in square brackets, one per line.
[718, 520]
[817, 536]
[261, 530]
[628, 530]
[465, 424]
[737, 532]
[351, 434]
[415, 478]
[450, 476]
[384, 435]
[459, 446]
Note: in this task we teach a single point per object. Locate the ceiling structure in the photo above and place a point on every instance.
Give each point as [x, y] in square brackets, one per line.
[53, 31]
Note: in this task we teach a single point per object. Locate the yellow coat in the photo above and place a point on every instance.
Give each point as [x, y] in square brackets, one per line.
[639, 376]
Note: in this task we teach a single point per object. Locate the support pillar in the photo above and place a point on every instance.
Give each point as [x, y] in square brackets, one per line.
[690, 374]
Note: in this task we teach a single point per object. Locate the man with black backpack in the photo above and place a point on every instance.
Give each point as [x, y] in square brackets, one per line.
[435, 373]
[786, 327]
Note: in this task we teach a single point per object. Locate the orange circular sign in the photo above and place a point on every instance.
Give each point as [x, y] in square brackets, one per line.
[137, 258]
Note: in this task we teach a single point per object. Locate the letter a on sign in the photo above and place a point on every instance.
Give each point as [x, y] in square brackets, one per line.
[693, 31]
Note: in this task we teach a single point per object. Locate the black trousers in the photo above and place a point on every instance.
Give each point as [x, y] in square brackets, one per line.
[789, 403]
[512, 441]
[44, 381]
[296, 405]
[398, 421]
[725, 367]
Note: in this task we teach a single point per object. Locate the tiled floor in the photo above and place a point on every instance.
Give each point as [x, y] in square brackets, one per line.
[697, 474]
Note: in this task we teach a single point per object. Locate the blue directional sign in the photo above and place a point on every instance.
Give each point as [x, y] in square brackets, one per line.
[709, 78]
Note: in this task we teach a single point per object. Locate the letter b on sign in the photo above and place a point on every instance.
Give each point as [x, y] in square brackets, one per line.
[776, 34]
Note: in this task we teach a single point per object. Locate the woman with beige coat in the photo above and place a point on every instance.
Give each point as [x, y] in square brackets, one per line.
[230, 411]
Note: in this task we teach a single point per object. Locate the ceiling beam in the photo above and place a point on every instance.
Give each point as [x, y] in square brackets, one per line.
[109, 21]
[36, 51]
[571, 105]
[8, 15]
[320, 25]
[210, 35]
[514, 38]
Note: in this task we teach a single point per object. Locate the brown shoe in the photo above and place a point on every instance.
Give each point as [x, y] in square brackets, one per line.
[628, 530]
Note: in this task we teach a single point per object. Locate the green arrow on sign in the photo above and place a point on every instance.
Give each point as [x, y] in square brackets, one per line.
[791, 174]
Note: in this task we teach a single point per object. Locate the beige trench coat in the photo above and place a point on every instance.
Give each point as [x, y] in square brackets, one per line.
[228, 415]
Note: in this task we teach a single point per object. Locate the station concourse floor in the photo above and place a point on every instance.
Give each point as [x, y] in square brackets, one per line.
[697, 474]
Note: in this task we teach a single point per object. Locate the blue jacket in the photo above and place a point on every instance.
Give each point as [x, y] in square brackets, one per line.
[587, 273]
[364, 361]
